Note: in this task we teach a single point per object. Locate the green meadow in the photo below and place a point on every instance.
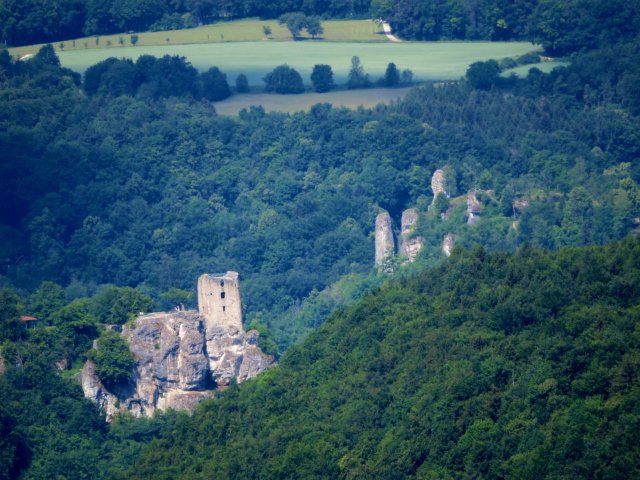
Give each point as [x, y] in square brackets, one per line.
[250, 30]
[427, 60]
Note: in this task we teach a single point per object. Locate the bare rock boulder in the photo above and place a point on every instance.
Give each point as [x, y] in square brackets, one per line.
[411, 244]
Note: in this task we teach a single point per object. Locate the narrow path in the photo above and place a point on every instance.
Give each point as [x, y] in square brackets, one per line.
[387, 31]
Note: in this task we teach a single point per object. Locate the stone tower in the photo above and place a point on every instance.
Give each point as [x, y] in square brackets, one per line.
[219, 300]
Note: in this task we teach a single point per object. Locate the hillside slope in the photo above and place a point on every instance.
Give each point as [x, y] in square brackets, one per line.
[490, 366]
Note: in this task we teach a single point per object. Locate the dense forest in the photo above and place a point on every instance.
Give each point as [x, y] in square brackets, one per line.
[516, 359]
[563, 26]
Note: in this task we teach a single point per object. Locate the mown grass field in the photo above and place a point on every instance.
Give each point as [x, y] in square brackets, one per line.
[296, 103]
[237, 31]
[427, 60]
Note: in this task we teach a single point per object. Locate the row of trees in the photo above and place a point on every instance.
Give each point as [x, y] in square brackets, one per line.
[171, 76]
[285, 79]
[152, 77]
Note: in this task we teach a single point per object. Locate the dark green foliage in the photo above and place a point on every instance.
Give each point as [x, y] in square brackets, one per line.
[214, 85]
[242, 83]
[297, 21]
[483, 75]
[322, 78]
[283, 79]
[113, 360]
[357, 78]
[294, 22]
[391, 76]
[116, 305]
[11, 327]
[46, 300]
[441, 203]
[490, 366]
[313, 27]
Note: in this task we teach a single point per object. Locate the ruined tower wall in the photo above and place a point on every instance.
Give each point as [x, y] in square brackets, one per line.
[219, 300]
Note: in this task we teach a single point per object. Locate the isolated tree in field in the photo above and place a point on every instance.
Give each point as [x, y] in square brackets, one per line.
[322, 78]
[314, 27]
[406, 76]
[242, 83]
[283, 79]
[294, 22]
[266, 29]
[391, 76]
[214, 85]
[357, 78]
[133, 39]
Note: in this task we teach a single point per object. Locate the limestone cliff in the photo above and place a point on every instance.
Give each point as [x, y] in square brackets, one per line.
[411, 245]
[438, 185]
[473, 208]
[180, 358]
[385, 244]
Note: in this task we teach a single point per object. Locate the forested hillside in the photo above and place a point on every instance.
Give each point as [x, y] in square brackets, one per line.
[515, 358]
[493, 366]
[152, 190]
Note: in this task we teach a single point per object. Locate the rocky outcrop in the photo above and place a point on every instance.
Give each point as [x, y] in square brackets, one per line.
[411, 245]
[180, 358]
[473, 208]
[447, 244]
[385, 244]
[437, 185]
[234, 354]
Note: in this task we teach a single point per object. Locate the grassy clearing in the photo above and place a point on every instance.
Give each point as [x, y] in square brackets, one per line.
[297, 103]
[427, 60]
[236, 31]
[523, 70]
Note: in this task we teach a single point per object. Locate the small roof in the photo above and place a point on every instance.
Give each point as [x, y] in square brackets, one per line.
[27, 318]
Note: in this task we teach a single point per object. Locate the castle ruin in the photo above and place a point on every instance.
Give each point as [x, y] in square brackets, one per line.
[219, 300]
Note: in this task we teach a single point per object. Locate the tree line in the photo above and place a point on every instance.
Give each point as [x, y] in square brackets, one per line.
[171, 76]
[562, 27]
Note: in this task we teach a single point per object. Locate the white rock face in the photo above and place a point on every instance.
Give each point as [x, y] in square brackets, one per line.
[411, 245]
[385, 244]
[437, 185]
[447, 244]
[473, 208]
[180, 359]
